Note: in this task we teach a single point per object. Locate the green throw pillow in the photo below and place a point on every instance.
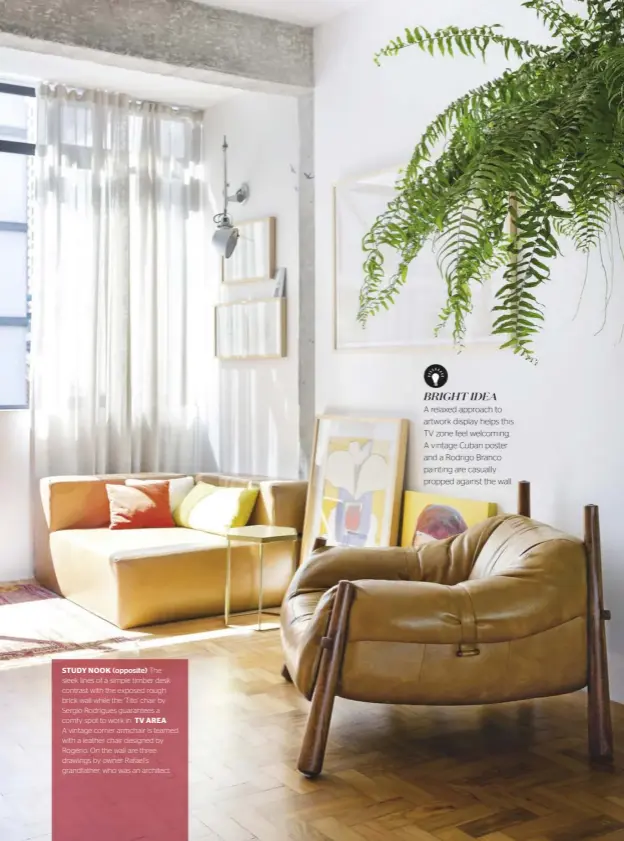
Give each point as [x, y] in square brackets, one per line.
[212, 509]
[199, 492]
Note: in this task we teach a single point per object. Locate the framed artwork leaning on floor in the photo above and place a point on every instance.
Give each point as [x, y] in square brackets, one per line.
[428, 517]
[356, 482]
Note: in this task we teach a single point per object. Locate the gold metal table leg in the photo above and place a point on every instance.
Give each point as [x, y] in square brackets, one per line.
[259, 626]
[260, 585]
[228, 582]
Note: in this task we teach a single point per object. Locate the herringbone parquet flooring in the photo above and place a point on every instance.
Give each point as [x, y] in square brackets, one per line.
[515, 772]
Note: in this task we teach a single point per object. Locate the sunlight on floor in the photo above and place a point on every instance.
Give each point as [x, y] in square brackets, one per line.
[29, 625]
[133, 645]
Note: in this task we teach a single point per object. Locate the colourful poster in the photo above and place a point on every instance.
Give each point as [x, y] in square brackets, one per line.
[428, 517]
[355, 488]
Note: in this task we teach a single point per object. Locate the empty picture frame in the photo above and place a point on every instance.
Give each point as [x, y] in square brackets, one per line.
[254, 255]
[251, 329]
[356, 482]
[411, 320]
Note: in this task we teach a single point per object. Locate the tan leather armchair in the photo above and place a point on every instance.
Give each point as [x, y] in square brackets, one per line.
[509, 610]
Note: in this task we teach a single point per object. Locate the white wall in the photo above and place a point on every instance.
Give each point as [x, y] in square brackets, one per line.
[256, 415]
[568, 410]
[15, 529]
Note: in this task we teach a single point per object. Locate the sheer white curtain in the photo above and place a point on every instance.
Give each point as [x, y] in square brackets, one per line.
[120, 294]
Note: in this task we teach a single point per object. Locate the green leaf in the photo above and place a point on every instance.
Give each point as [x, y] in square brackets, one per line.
[550, 133]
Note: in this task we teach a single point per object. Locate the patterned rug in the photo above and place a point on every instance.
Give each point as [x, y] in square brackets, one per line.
[24, 591]
[35, 622]
[37, 625]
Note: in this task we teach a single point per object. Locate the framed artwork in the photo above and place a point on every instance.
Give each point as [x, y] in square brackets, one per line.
[254, 255]
[411, 320]
[251, 329]
[356, 481]
[428, 517]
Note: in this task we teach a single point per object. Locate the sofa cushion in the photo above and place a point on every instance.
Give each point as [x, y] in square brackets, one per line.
[81, 502]
[279, 503]
[199, 492]
[145, 576]
[215, 509]
[178, 488]
[140, 506]
[135, 543]
[225, 508]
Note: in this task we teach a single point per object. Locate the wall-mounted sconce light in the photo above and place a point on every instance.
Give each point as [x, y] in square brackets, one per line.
[226, 236]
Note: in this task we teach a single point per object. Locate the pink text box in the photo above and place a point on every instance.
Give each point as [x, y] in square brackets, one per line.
[120, 750]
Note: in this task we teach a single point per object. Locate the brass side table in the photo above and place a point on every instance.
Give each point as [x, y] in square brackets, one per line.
[260, 535]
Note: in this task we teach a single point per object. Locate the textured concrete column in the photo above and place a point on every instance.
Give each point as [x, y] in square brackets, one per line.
[201, 42]
[307, 364]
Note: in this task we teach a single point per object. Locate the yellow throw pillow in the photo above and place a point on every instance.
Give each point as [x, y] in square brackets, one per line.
[224, 508]
[199, 492]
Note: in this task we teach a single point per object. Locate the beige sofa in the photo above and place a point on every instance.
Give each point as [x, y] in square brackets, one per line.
[146, 576]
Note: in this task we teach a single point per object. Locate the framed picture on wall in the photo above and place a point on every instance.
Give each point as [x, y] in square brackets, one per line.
[356, 482]
[254, 256]
[251, 329]
[412, 319]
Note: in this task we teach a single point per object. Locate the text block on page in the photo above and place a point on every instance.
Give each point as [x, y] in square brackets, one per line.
[120, 750]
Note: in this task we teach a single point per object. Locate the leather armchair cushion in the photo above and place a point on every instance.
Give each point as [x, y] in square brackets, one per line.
[506, 586]
[443, 562]
[511, 576]
[551, 663]
[307, 619]
[420, 612]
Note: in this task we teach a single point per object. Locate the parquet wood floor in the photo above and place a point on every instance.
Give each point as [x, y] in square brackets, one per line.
[516, 772]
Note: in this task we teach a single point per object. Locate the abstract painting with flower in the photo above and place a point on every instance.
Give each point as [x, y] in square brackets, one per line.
[354, 494]
[356, 481]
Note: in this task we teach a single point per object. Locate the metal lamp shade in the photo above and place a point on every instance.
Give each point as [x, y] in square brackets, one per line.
[225, 240]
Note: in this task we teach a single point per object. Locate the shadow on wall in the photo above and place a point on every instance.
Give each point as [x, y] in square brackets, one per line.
[258, 419]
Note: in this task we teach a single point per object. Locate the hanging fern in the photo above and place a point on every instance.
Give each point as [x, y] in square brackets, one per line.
[543, 144]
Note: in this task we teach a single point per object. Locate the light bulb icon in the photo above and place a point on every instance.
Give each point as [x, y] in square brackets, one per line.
[436, 376]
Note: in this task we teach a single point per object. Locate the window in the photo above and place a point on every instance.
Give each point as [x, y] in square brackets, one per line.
[17, 148]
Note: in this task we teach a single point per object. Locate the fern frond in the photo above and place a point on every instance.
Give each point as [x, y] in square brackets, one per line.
[550, 132]
[556, 18]
[469, 42]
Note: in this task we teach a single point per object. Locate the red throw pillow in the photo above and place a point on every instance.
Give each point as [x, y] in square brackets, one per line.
[140, 507]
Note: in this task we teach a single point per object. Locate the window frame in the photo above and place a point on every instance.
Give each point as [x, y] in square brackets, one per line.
[16, 147]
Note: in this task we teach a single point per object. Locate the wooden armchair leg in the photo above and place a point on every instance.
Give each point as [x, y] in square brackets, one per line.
[600, 731]
[524, 499]
[333, 645]
[286, 674]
